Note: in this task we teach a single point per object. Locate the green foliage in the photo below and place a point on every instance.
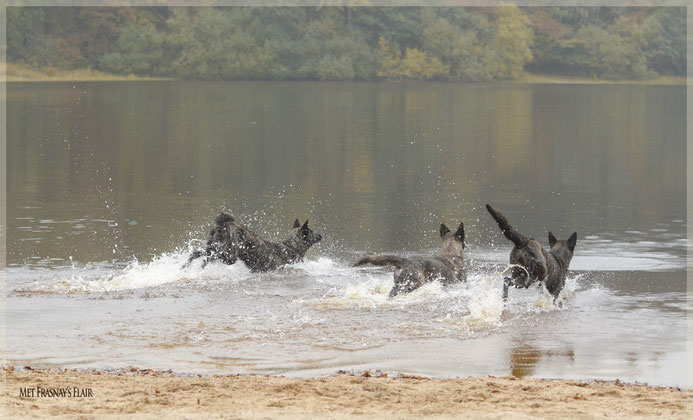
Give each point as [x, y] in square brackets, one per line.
[414, 65]
[465, 52]
[419, 65]
[583, 16]
[37, 47]
[331, 50]
[333, 68]
[514, 39]
[664, 34]
[352, 43]
[101, 28]
[220, 44]
[401, 25]
[390, 59]
[600, 53]
[548, 34]
[141, 50]
[18, 38]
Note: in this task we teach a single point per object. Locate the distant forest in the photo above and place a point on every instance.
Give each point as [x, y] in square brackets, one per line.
[353, 43]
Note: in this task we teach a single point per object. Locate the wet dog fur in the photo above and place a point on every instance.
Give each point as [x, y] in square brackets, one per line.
[230, 241]
[550, 267]
[412, 273]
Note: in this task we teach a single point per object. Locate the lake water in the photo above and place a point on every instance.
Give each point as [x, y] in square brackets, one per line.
[111, 184]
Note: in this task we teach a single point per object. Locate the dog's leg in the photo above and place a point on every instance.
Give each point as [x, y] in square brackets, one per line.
[193, 256]
[506, 285]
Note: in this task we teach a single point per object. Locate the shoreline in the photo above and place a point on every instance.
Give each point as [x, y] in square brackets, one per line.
[142, 392]
[538, 79]
[19, 73]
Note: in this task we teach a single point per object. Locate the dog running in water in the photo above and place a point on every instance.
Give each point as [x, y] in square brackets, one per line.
[412, 273]
[230, 241]
[532, 262]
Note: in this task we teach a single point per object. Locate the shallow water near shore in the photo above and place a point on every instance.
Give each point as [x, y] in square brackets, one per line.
[111, 185]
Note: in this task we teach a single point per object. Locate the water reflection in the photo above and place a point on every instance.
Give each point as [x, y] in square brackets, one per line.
[376, 165]
[525, 358]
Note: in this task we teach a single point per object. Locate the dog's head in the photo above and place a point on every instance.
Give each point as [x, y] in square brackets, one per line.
[564, 249]
[453, 243]
[305, 234]
[527, 256]
[220, 232]
[224, 218]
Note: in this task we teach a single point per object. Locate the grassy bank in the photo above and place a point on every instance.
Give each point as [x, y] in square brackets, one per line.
[531, 78]
[21, 73]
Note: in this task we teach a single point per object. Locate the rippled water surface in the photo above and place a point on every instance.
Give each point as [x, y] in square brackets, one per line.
[110, 185]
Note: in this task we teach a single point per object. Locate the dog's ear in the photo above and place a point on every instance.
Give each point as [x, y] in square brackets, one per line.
[552, 240]
[459, 235]
[572, 241]
[514, 236]
[304, 228]
[296, 223]
[443, 230]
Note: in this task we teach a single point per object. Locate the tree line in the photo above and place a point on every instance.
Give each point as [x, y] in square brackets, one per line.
[353, 43]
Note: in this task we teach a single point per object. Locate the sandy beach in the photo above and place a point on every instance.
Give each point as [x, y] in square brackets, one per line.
[143, 393]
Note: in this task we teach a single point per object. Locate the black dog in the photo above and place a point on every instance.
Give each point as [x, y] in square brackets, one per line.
[537, 264]
[230, 241]
[412, 273]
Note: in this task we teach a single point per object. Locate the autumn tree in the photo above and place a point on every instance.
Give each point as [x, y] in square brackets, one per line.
[390, 59]
[514, 39]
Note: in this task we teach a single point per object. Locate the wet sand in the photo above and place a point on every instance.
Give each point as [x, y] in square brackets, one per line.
[144, 393]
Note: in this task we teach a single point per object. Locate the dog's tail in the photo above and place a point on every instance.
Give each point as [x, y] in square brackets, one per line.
[514, 236]
[381, 260]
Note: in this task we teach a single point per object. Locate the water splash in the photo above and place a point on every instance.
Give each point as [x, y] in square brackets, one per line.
[476, 304]
[163, 270]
